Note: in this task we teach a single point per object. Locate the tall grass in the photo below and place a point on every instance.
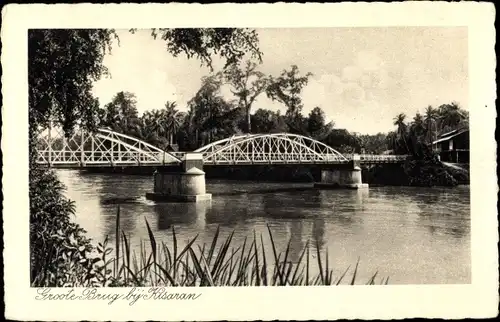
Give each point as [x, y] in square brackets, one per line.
[219, 263]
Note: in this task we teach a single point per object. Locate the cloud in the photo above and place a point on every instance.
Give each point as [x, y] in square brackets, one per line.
[360, 91]
[353, 94]
[361, 80]
[369, 61]
[351, 74]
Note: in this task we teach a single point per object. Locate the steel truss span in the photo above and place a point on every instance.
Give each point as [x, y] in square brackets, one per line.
[276, 148]
[108, 148]
[102, 148]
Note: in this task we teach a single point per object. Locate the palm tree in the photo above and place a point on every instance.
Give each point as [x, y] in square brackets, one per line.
[430, 120]
[157, 122]
[451, 116]
[418, 125]
[172, 121]
[145, 131]
[399, 121]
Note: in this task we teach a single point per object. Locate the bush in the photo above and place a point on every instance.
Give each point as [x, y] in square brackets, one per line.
[428, 172]
[423, 171]
[58, 247]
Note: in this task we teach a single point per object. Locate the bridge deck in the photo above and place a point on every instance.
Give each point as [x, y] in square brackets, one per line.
[106, 148]
[364, 159]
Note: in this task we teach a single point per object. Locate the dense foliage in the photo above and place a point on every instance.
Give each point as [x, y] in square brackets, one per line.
[415, 139]
[62, 64]
[230, 44]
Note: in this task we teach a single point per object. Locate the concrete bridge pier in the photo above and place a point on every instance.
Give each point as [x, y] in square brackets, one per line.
[181, 184]
[345, 176]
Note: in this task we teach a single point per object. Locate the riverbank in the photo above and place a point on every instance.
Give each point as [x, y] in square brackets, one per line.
[420, 173]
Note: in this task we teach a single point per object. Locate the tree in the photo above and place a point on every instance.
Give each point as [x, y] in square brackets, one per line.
[211, 115]
[155, 119]
[376, 144]
[172, 121]
[343, 141]
[392, 141]
[247, 85]
[399, 121]
[430, 119]
[402, 130]
[267, 121]
[417, 135]
[418, 126]
[316, 124]
[230, 44]
[121, 113]
[62, 65]
[286, 89]
[452, 117]
[147, 130]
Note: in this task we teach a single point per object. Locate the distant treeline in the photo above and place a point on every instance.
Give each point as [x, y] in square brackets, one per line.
[211, 117]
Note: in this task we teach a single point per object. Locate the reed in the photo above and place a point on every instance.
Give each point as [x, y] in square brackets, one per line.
[219, 263]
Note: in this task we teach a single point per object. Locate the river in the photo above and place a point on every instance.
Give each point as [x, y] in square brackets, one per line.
[412, 235]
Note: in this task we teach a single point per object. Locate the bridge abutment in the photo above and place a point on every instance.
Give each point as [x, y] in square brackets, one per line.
[183, 184]
[346, 177]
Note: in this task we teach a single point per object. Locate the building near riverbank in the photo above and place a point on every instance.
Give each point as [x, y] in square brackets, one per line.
[453, 146]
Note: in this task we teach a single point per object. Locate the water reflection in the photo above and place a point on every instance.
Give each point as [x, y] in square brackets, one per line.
[222, 212]
[318, 232]
[181, 214]
[414, 235]
[128, 219]
[282, 206]
[452, 224]
[344, 207]
[296, 239]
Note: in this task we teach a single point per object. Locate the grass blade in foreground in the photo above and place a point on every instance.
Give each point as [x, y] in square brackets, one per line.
[241, 267]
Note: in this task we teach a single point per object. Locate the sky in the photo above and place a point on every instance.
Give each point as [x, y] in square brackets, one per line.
[362, 77]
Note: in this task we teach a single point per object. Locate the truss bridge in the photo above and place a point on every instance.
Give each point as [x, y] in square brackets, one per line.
[108, 148]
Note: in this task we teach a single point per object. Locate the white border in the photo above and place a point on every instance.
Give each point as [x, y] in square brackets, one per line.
[480, 299]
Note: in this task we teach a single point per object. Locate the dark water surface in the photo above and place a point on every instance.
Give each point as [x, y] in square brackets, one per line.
[413, 235]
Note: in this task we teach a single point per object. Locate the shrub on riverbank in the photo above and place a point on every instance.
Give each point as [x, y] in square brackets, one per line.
[57, 245]
[426, 171]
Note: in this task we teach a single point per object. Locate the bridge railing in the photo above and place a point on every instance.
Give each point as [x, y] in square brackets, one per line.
[178, 154]
[269, 157]
[377, 157]
[113, 157]
[278, 157]
[51, 157]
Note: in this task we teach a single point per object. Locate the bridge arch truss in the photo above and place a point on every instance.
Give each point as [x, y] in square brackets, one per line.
[275, 148]
[101, 148]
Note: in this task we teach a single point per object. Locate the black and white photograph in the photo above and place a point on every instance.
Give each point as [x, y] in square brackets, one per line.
[173, 158]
